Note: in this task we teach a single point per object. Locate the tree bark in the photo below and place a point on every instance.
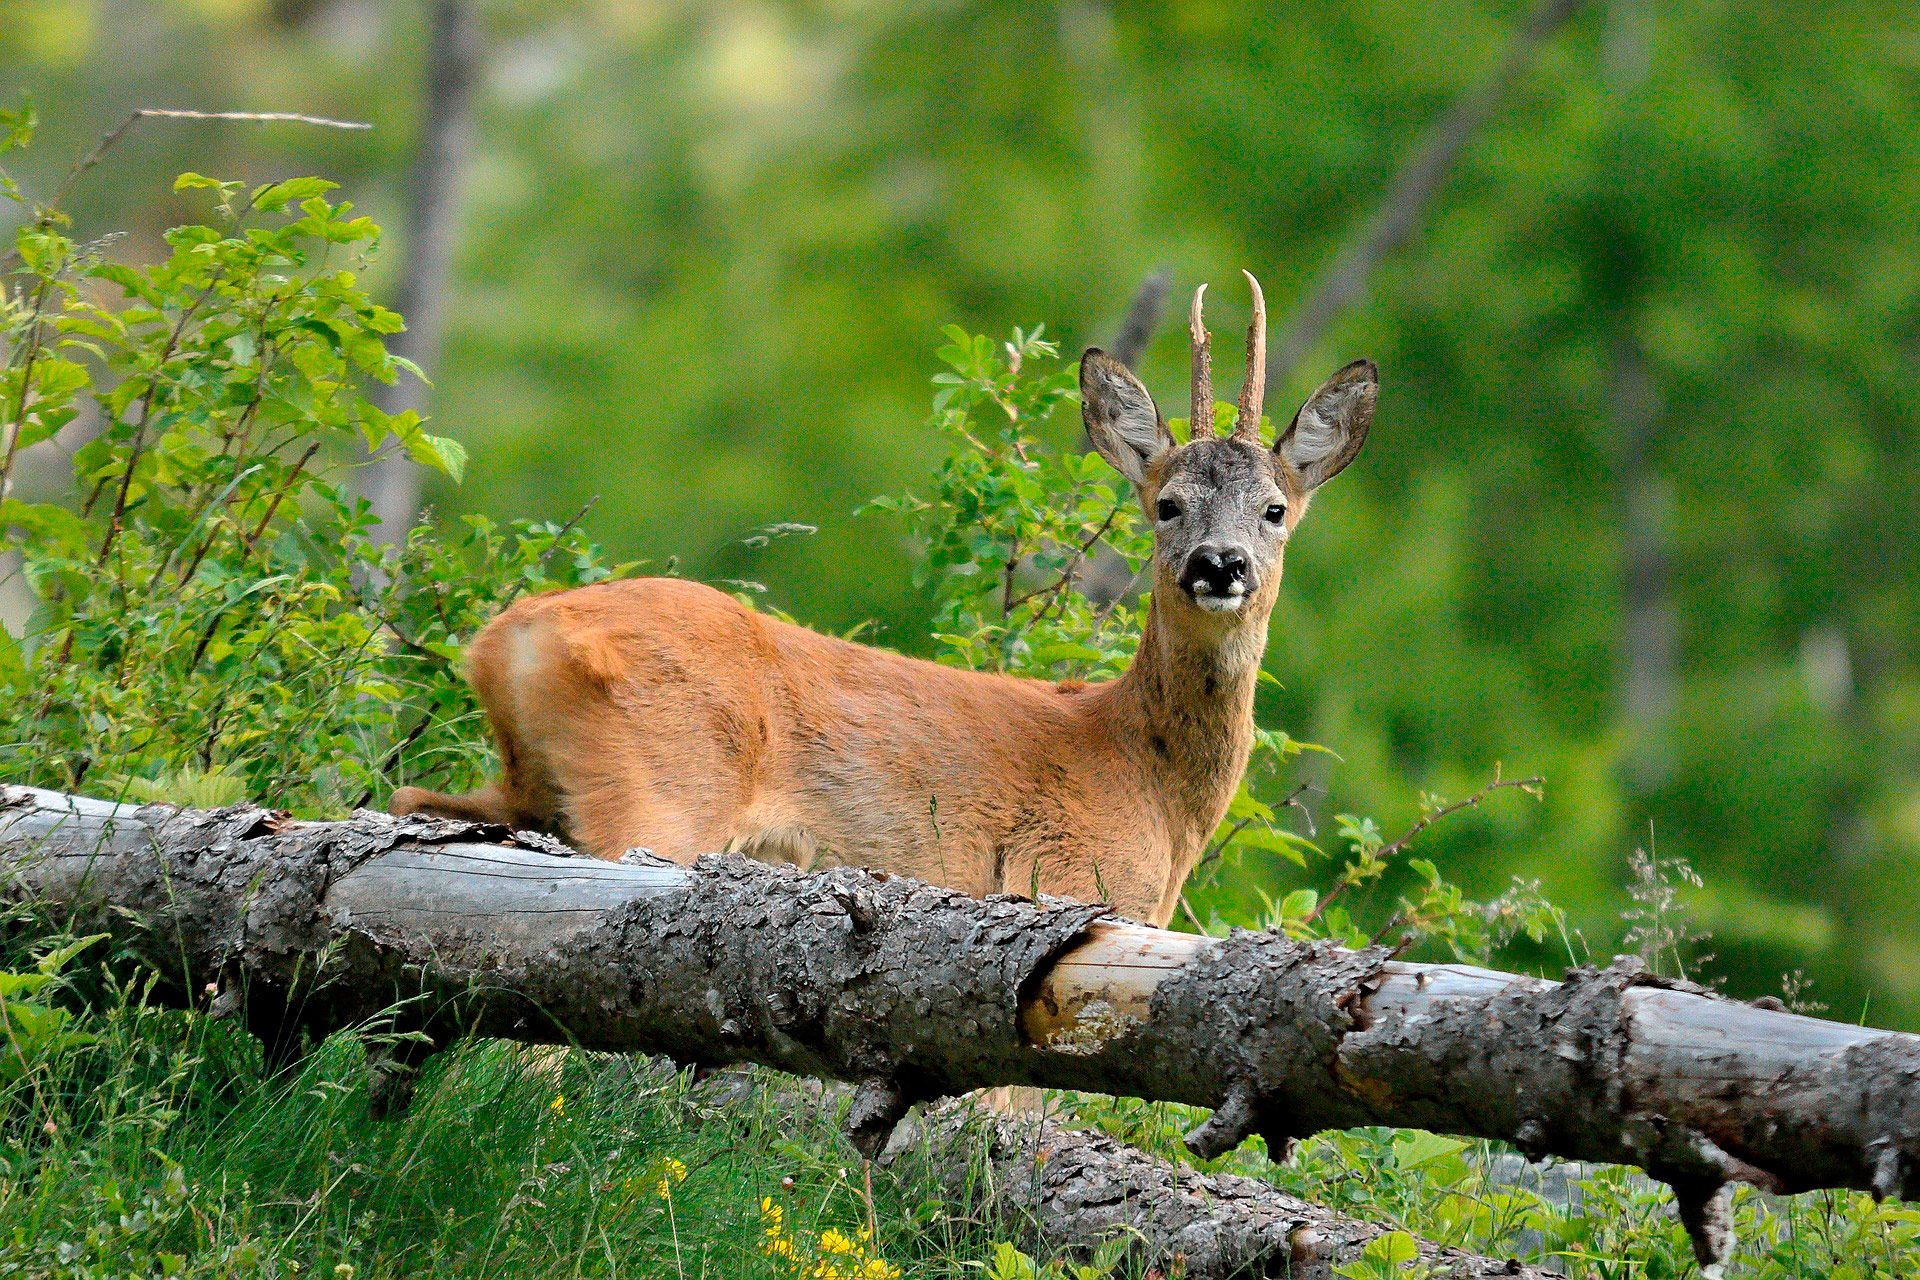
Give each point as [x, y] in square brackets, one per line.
[1047, 1186]
[917, 992]
[392, 481]
[1395, 218]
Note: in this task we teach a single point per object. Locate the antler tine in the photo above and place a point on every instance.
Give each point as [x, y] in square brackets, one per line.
[1253, 392]
[1202, 419]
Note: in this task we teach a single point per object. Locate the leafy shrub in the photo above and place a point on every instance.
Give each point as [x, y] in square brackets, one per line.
[215, 618]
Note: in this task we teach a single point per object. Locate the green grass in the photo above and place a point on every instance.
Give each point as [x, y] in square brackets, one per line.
[160, 1148]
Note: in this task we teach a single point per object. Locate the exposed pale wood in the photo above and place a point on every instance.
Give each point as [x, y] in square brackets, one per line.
[1105, 984]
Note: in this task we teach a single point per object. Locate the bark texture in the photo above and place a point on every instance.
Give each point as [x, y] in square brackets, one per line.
[915, 992]
[1046, 1185]
[1054, 1190]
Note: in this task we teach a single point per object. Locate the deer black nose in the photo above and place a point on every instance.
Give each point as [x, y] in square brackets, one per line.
[1220, 572]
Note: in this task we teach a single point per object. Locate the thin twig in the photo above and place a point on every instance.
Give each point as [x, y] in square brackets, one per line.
[1066, 579]
[1532, 786]
[280, 495]
[111, 137]
[247, 542]
[1292, 801]
[34, 347]
[134, 450]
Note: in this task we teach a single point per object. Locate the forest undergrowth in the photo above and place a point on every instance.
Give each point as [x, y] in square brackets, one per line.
[216, 621]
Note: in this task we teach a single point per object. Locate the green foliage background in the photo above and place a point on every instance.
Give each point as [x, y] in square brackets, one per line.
[707, 249]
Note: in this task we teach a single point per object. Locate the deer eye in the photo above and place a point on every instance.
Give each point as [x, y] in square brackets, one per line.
[1276, 512]
[1167, 509]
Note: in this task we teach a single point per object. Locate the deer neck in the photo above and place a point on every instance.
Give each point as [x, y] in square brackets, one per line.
[1188, 698]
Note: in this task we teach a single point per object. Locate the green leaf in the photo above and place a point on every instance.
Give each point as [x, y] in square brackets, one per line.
[275, 196]
[57, 959]
[442, 453]
[1385, 1256]
[13, 662]
[44, 252]
[1299, 904]
[48, 526]
[17, 126]
[1416, 1147]
[1011, 1264]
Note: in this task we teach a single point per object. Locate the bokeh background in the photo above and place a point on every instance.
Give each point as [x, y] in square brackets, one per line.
[1639, 511]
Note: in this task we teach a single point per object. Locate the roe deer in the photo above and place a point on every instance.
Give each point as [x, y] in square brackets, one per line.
[661, 713]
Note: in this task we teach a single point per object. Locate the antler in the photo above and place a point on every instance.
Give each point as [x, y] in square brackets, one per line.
[1253, 392]
[1202, 418]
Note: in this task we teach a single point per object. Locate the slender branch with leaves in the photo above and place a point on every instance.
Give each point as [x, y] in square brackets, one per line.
[211, 613]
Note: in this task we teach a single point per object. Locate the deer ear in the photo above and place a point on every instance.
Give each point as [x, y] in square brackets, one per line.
[1121, 418]
[1332, 425]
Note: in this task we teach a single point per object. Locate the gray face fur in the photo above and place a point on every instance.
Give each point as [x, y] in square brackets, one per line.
[1220, 521]
[1223, 507]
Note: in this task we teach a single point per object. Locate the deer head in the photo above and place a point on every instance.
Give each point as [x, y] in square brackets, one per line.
[1223, 505]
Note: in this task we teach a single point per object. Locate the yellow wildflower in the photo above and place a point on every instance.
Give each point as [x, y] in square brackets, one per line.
[879, 1269]
[671, 1173]
[559, 1105]
[833, 1240]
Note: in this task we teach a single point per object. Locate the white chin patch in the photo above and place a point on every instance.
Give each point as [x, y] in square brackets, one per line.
[1220, 604]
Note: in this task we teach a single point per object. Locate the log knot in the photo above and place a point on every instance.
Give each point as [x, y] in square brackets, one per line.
[1277, 1089]
[1701, 1176]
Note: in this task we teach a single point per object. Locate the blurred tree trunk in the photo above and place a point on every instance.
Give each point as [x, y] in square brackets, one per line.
[1650, 623]
[1344, 282]
[1137, 327]
[1108, 576]
[441, 159]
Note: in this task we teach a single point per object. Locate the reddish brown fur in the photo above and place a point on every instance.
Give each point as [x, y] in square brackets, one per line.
[663, 714]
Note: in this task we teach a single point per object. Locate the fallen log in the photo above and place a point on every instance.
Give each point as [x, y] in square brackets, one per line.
[1046, 1185]
[916, 992]
[1052, 1189]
